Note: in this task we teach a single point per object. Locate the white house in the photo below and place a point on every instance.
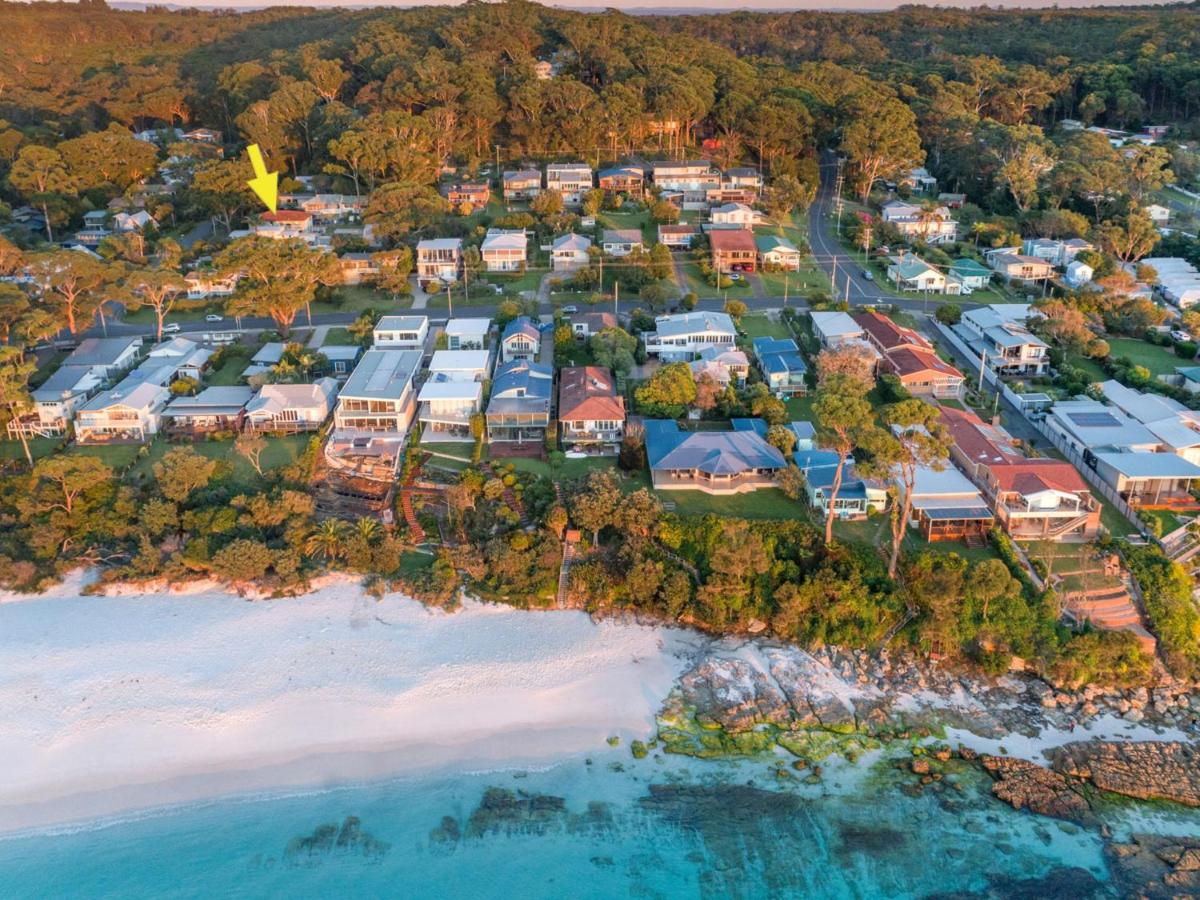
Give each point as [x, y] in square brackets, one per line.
[1078, 273]
[911, 273]
[835, 328]
[439, 259]
[735, 215]
[777, 253]
[132, 411]
[189, 358]
[570, 252]
[504, 251]
[934, 226]
[999, 335]
[401, 332]
[622, 241]
[378, 398]
[520, 339]
[1159, 215]
[459, 365]
[131, 222]
[56, 401]
[467, 334]
[289, 408]
[446, 408]
[572, 180]
[203, 285]
[680, 337]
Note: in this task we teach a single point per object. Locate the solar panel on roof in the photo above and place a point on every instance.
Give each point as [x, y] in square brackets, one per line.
[1094, 419]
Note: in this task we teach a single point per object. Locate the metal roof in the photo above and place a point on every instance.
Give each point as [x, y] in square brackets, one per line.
[382, 374]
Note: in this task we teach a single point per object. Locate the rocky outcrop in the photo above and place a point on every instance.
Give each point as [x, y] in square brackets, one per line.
[1156, 867]
[1147, 770]
[1026, 785]
[735, 695]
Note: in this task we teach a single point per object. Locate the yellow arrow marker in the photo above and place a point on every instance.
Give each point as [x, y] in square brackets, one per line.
[264, 183]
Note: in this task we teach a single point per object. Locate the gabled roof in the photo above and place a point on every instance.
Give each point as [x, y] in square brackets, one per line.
[521, 386]
[574, 243]
[1032, 476]
[623, 236]
[912, 360]
[732, 239]
[773, 243]
[979, 442]
[220, 400]
[694, 323]
[287, 217]
[273, 399]
[101, 351]
[595, 321]
[714, 452]
[504, 240]
[887, 333]
[589, 393]
[435, 244]
[521, 325]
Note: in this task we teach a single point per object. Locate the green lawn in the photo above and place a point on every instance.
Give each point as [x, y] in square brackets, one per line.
[1090, 366]
[569, 470]
[761, 326]
[39, 448]
[1159, 360]
[1167, 519]
[412, 563]
[357, 298]
[799, 284]
[639, 219]
[118, 456]
[769, 503]
[339, 337]
[280, 451]
[230, 371]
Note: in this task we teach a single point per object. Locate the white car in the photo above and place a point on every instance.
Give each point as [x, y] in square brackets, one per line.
[570, 310]
[213, 317]
[171, 328]
[1180, 335]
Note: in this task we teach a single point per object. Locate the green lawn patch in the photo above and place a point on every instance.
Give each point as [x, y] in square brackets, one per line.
[1167, 520]
[118, 456]
[280, 451]
[358, 298]
[768, 503]
[339, 337]
[413, 563]
[761, 326]
[39, 448]
[1159, 360]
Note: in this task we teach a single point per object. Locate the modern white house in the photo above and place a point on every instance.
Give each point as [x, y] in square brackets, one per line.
[378, 398]
[933, 226]
[446, 408]
[1078, 273]
[401, 332]
[439, 260]
[834, 328]
[467, 334]
[131, 412]
[569, 252]
[572, 180]
[680, 337]
[459, 365]
[1000, 336]
[290, 408]
[521, 339]
[504, 251]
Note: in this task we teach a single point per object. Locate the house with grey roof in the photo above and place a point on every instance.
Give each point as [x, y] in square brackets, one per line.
[518, 411]
[569, 252]
[379, 397]
[716, 462]
[265, 358]
[189, 358]
[522, 184]
[998, 334]
[291, 408]
[680, 337]
[622, 241]
[504, 251]
[131, 412]
[520, 339]
[218, 408]
[106, 357]
[401, 332]
[911, 273]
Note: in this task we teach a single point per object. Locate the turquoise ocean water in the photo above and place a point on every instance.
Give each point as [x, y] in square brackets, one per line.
[609, 827]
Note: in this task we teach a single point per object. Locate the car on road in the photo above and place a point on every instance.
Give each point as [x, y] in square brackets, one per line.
[867, 274]
[570, 310]
[735, 276]
[171, 328]
[1180, 335]
[213, 317]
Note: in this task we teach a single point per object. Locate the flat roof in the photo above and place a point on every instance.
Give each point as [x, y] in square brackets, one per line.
[382, 374]
[401, 323]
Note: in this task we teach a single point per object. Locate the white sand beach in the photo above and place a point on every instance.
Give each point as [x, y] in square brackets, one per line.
[112, 704]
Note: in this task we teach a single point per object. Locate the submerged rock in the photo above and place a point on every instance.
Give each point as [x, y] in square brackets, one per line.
[331, 838]
[1156, 867]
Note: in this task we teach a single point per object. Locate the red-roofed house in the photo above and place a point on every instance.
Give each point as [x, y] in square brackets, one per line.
[885, 335]
[1033, 499]
[922, 372]
[1043, 500]
[590, 411]
[291, 221]
[733, 249]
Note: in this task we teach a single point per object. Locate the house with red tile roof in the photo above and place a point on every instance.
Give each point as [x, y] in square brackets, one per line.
[1033, 499]
[590, 412]
[910, 357]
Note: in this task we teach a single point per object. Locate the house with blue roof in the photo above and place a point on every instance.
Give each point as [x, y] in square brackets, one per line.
[519, 409]
[856, 497]
[716, 462]
[784, 369]
[520, 339]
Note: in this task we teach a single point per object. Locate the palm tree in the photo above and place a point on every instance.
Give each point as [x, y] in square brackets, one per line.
[367, 529]
[326, 541]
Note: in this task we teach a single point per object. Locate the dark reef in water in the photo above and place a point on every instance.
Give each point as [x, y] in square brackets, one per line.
[1065, 882]
[502, 811]
[348, 838]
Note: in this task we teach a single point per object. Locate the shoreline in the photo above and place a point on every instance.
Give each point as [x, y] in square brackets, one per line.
[132, 702]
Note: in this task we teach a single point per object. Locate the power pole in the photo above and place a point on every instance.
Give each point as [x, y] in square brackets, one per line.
[616, 294]
[449, 301]
[785, 287]
[982, 363]
[837, 195]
